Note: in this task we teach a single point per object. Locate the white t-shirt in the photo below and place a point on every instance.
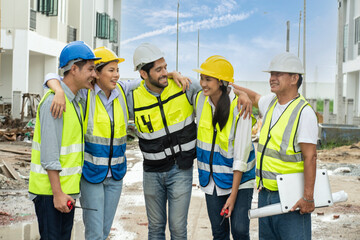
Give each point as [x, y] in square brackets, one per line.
[307, 131]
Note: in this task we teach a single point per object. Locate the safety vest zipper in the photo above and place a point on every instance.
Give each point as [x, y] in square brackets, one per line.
[166, 127]
[261, 160]
[212, 151]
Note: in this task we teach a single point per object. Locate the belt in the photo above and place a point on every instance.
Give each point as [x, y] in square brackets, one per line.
[268, 190]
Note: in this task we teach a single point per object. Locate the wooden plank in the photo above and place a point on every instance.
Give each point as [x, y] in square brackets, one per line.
[14, 151]
[12, 172]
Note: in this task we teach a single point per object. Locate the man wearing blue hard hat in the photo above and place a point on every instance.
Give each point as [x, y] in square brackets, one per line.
[58, 146]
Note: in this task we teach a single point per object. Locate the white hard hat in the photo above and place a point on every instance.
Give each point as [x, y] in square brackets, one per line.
[286, 62]
[146, 53]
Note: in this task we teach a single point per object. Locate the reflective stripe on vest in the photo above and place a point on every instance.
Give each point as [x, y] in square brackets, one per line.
[276, 153]
[165, 127]
[71, 154]
[105, 142]
[215, 156]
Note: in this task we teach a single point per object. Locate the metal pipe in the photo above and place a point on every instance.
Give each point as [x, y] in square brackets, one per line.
[304, 54]
[177, 36]
[287, 35]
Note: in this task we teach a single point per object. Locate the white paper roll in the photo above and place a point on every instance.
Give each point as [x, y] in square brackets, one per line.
[275, 209]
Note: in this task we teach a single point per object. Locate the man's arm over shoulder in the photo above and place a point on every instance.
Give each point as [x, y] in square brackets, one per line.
[194, 88]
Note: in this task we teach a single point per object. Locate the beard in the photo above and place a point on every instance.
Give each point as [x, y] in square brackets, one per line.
[156, 82]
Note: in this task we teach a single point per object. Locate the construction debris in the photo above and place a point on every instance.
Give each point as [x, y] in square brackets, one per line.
[8, 171]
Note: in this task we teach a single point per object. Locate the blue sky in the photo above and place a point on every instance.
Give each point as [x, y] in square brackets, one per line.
[247, 32]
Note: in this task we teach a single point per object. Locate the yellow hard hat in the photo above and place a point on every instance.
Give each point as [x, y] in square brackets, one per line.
[218, 67]
[106, 55]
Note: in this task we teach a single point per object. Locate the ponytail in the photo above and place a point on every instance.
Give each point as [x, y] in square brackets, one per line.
[222, 110]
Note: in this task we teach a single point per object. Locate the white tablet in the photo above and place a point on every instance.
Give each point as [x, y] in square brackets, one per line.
[291, 189]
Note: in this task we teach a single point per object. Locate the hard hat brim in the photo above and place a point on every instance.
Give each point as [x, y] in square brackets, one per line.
[211, 74]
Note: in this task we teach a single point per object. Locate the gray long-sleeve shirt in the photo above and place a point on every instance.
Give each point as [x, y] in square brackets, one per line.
[51, 133]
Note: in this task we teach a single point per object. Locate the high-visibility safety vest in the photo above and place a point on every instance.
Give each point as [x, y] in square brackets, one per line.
[215, 148]
[105, 140]
[276, 153]
[71, 153]
[165, 127]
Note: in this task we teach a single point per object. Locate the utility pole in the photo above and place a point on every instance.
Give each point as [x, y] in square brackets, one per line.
[198, 53]
[177, 36]
[287, 35]
[304, 54]
[299, 35]
[339, 58]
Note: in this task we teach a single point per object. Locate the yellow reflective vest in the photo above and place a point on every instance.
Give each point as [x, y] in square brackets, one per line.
[105, 140]
[71, 154]
[165, 127]
[276, 153]
[215, 148]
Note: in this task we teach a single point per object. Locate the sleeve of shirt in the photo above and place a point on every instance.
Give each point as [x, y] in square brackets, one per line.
[194, 88]
[308, 127]
[130, 104]
[50, 76]
[264, 103]
[51, 135]
[242, 145]
[129, 85]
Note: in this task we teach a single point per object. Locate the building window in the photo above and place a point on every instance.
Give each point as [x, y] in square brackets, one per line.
[357, 30]
[71, 34]
[113, 31]
[102, 25]
[48, 7]
[32, 19]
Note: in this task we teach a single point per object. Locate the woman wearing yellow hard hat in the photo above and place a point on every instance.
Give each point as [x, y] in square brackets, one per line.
[225, 153]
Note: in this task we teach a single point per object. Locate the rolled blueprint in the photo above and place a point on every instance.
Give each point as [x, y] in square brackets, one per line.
[339, 197]
[275, 209]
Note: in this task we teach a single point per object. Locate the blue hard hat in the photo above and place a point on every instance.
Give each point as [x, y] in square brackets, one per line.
[76, 50]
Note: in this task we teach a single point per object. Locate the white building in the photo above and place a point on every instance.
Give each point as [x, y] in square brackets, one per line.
[351, 59]
[33, 32]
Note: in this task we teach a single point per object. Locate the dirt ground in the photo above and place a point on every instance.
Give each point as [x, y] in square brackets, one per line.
[18, 220]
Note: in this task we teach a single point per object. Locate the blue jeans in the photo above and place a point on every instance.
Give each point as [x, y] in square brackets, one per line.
[104, 197]
[175, 187]
[289, 226]
[53, 224]
[239, 217]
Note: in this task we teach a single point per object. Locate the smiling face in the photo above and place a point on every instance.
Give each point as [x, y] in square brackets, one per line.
[156, 80]
[281, 82]
[108, 76]
[210, 85]
[85, 75]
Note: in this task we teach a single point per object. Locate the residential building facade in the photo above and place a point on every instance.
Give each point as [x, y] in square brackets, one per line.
[33, 33]
[351, 54]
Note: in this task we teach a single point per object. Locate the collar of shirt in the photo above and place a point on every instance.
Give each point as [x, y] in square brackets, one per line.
[212, 105]
[69, 94]
[113, 94]
[152, 92]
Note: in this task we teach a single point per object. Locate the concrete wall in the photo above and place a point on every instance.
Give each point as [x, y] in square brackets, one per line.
[36, 73]
[6, 77]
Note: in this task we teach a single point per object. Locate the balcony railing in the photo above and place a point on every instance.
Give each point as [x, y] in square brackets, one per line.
[32, 19]
[71, 34]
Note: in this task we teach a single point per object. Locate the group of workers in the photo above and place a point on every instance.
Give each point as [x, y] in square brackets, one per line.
[79, 144]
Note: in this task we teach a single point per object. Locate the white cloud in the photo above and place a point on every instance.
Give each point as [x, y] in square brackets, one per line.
[226, 6]
[191, 26]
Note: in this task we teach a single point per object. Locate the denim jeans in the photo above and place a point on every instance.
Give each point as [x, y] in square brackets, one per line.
[239, 219]
[289, 226]
[174, 187]
[104, 197]
[53, 224]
